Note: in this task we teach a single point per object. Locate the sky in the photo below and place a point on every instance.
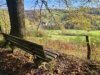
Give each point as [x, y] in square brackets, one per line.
[30, 4]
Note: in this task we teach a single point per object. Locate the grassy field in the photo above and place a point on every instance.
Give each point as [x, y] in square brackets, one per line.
[71, 45]
[79, 52]
[94, 36]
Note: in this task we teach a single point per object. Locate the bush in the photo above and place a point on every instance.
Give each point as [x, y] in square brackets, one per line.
[39, 33]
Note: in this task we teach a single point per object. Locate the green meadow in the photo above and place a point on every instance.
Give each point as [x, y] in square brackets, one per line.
[70, 45]
[57, 35]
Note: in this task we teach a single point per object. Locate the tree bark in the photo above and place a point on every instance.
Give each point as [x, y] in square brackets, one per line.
[16, 13]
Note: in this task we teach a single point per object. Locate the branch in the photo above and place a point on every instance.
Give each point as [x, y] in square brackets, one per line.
[36, 3]
[46, 5]
[40, 16]
[66, 2]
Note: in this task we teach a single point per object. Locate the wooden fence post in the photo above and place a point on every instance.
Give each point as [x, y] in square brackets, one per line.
[88, 47]
[0, 30]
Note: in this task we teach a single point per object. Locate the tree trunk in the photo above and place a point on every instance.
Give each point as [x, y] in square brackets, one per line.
[16, 13]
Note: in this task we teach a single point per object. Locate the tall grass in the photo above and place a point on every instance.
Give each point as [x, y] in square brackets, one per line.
[71, 45]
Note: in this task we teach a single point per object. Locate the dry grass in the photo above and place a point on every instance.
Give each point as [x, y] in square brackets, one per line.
[1, 37]
[67, 48]
[76, 50]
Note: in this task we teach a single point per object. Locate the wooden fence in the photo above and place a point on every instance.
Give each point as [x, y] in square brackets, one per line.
[87, 42]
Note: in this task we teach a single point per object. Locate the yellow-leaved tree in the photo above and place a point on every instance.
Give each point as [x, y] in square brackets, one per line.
[4, 21]
[80, 20]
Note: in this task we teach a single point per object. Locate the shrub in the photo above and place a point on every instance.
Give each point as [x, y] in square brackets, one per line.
[39, 33]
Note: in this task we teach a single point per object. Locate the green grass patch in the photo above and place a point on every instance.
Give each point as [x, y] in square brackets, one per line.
[77, 40]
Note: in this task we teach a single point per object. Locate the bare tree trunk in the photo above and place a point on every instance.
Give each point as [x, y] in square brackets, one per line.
[16, 13]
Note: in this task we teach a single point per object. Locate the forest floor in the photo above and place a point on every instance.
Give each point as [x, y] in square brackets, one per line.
[17, 64]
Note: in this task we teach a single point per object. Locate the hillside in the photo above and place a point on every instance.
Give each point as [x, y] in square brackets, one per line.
[32, 14]
[82, 18]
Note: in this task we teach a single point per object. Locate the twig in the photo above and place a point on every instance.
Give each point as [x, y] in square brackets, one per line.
[66, 2]
[46, 5]
[40, 16]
